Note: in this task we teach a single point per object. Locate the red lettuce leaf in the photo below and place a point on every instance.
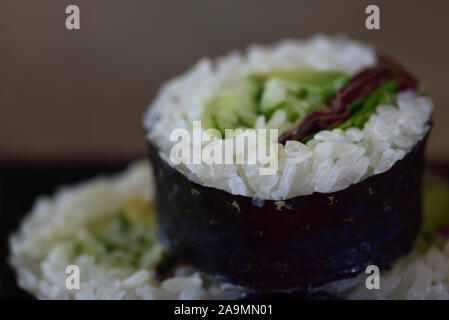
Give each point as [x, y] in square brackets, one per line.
[359, 86]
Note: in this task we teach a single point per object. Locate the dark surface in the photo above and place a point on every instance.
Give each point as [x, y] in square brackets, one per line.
[19, 186]
[309, 240]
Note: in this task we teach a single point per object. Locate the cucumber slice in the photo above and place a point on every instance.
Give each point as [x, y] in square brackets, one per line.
[274, 95]
[225, 119]
[297, 108]
[233, 107]
[314, 85]
[296, 92]
[247, 118]
[309, 77]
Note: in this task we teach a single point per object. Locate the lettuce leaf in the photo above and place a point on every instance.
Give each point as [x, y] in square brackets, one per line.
[363, 109]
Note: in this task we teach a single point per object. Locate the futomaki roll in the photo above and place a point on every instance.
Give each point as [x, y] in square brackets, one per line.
[333, 183]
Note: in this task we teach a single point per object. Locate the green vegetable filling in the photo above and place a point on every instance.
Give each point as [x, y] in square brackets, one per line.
[125, 239]
[277, 99]
[361, 109]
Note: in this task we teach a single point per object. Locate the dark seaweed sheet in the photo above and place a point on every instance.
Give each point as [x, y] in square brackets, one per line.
[302, 242]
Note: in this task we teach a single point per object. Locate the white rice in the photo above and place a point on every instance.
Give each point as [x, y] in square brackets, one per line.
[41, 249]
[40, 253]
[331, 161]
[419, 276]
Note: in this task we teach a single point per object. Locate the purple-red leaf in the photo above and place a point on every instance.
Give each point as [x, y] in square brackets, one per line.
[359, 86]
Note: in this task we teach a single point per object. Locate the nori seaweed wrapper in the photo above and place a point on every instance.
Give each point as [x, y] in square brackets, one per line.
[302, 242]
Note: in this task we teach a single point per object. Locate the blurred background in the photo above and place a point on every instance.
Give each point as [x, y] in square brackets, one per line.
[77, 96]
[71, 101]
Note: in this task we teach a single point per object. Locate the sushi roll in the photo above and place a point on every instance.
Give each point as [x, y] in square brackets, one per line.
[346, 191]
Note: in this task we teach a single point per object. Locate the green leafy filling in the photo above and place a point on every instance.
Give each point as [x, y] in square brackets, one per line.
[361, 109]
[292, 92]
[125, 239]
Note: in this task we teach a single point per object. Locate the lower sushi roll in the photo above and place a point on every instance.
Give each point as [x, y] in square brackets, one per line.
[346, 191]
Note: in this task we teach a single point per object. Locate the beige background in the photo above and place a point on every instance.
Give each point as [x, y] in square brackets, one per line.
[79, 95]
